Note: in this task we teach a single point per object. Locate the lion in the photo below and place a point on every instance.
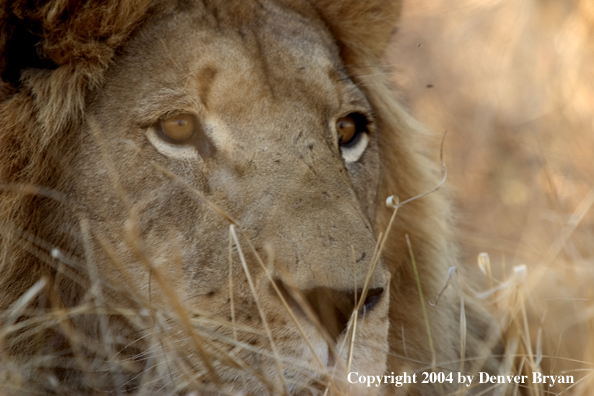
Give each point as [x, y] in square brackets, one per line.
[193, 201]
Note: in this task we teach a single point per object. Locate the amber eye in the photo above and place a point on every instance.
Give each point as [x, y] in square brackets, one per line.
[178, 128]
[349, 128]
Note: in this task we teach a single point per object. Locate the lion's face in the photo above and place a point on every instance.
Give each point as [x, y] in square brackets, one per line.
[212, 113]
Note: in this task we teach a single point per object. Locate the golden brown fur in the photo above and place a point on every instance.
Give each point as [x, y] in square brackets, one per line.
[96, 216]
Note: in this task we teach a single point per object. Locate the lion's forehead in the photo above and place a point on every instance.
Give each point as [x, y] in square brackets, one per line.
[274, 60]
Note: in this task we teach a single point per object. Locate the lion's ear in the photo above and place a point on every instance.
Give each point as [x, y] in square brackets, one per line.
[362, 27]
[53, 52]
[53, 33]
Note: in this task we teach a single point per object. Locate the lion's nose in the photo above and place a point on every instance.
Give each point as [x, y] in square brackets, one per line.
[333, 308]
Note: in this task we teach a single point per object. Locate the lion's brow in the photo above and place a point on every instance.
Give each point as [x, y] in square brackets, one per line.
[205, 78]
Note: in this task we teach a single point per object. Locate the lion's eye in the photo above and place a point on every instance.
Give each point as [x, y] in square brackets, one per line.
[349, 128]
[353, 136]
[178, 128]
[346, 129]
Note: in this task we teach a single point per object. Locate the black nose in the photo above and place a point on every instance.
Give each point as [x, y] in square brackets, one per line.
[371, 299]
[333, 308]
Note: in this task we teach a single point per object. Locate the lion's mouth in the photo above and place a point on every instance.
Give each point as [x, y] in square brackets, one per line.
[328, 309]
[317, 356]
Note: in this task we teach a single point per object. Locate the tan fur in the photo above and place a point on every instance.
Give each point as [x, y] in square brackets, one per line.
[134, 234]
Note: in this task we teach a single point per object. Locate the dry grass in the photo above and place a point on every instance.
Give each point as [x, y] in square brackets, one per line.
[512, 83]
[157, 361]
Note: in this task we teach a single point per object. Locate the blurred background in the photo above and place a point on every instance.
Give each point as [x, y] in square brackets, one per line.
[512, 84]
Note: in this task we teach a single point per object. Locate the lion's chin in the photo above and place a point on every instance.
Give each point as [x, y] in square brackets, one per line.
[308, 368]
